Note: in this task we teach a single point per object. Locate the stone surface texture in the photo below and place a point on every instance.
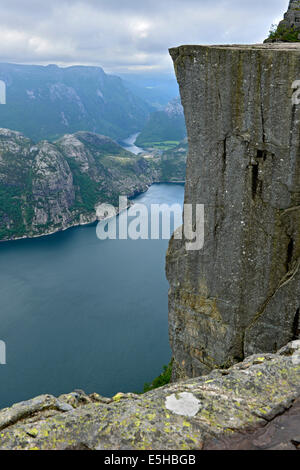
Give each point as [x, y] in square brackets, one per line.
[292, 16]
[212, 412]
[240, 294]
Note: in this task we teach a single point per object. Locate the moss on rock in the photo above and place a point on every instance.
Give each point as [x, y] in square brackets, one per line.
[248, 395]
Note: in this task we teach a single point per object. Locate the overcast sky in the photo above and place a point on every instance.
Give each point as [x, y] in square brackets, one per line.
[126, 35]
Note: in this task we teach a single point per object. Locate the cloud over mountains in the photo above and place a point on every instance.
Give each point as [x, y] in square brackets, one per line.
[126, 35]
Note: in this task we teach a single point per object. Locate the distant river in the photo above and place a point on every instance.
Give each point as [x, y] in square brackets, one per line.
[80, 313]
[129, 145]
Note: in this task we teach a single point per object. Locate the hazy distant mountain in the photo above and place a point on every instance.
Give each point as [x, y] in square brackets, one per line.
[47, 102]
[156, 91]
[164, 126]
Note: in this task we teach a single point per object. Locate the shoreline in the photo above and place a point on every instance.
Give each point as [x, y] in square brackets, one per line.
[89, 222]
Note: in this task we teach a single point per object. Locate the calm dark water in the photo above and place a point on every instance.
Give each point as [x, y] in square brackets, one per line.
[77, 312]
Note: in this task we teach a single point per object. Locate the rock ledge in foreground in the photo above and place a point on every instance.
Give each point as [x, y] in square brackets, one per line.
[205, 412]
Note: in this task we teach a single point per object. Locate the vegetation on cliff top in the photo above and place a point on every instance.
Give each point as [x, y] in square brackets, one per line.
[163, 379]
[282, 33]
[164, 129]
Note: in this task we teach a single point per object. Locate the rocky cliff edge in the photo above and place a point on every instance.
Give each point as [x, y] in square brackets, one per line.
[246, 403]
[239, 295]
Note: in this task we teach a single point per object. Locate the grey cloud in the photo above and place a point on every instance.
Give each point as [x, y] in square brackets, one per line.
[126, 35]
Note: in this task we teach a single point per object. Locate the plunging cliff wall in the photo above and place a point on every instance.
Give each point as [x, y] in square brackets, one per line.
[240, 294]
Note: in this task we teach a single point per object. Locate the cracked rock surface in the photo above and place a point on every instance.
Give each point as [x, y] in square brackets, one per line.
[292, 16]
[240, 294]
[212, 412]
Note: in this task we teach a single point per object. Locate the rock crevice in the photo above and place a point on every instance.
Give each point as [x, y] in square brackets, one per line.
[244, 165]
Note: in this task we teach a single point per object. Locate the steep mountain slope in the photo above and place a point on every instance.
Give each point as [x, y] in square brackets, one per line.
[47, 187]
[47, 102]
[164, 126]
[51, 186]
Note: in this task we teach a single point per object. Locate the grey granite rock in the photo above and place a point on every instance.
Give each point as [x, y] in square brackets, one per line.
[200, 413]
[241, 294]
[292, 16]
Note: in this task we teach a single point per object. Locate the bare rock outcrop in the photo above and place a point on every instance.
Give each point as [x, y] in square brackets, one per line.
[51, 186]
[240, 294]
[292, 16]
[288, 30]
[217, 411]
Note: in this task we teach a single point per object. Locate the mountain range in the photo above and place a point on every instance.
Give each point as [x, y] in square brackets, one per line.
[59, 156]
[164, 128]
[46, 102]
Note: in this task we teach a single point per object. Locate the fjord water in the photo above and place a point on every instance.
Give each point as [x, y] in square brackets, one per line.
[80, 313]
[129, 144]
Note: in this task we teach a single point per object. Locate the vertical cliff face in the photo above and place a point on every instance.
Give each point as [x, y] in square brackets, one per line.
[241, 293]
[292, 16]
